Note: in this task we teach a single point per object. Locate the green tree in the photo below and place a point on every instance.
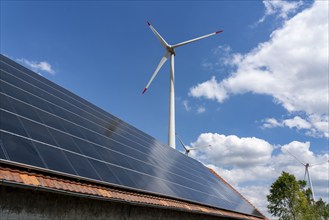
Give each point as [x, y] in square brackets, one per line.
[285, 197]
[290, 200]
[322, 209]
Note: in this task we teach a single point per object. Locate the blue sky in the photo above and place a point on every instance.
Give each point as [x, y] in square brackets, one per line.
[253, 91]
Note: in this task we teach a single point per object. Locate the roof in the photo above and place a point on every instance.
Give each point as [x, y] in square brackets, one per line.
[18, 177]
[48, 128]
[224, 181]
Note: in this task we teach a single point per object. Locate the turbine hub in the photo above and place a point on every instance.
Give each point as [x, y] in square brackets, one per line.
[171, 50]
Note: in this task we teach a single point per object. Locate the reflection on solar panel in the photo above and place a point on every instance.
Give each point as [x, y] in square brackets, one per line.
[47, 127]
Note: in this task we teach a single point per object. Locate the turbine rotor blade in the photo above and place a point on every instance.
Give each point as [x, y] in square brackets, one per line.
[162, 61]
[196, 148]
[160, 38]
[186, 150]
[195, 39]
[296, 158]
[316, 164]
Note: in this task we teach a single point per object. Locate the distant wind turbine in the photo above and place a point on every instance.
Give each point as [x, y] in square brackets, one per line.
[170, 51]
[307, 171]
[187, 150]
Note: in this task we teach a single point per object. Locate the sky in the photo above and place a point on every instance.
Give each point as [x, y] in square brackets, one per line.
[254, 92]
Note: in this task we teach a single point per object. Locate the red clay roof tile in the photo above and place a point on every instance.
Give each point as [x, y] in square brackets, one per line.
[36, 179]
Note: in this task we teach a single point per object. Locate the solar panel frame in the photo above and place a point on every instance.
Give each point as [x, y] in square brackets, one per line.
[89, 125]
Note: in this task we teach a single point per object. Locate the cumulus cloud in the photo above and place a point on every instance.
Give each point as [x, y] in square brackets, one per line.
[251, 164]
[38, 66]
[292, 67]
[210, 89]
[301, 150]
[232, 150]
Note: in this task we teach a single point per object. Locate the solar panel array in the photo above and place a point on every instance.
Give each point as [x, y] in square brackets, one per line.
[45, 126]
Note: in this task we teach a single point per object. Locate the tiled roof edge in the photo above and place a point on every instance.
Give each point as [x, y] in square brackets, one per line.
[13, 176]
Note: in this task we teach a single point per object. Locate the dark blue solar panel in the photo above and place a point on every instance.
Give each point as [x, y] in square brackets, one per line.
[48, 127]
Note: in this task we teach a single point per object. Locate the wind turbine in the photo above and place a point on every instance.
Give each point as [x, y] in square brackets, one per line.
[170, 52]
[187, 150]
[307, 171]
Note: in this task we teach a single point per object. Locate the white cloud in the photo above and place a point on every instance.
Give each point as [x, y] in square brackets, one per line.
[318, 165]
[207, 65]
[38, 66]
[256, 173]
[210, 89]
[292, 67]
[297, 122]
[201, 109]
[313, 125]
[225, 55]
[271, 123]
[279, 8]
[251, 165]
[232, 150]
[320, 124]
[186, 105]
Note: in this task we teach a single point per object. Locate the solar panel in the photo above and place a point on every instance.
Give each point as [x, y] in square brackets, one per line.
[44, 126]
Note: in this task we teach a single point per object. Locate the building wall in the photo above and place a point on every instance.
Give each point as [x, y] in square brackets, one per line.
[28, 204]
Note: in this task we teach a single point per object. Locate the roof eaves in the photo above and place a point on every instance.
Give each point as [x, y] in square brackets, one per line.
[20, 178]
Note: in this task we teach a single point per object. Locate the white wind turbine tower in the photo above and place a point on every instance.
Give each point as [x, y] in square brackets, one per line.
[307, 171]
[170, 51]
[187, 150]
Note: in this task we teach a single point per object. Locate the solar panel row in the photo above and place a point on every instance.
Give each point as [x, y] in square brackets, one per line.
[46, 126]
